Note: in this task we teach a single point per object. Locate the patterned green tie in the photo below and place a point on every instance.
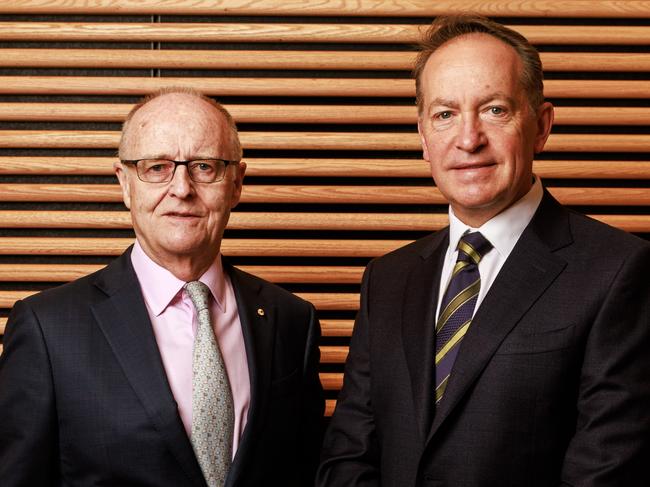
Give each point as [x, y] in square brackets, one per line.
[457, 306]
[213, 416]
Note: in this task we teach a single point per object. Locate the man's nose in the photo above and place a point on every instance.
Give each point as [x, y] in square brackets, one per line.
[181, 184]
[471, 136]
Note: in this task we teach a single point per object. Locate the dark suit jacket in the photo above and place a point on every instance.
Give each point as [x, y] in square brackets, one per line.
[551, 385]
[84, 399]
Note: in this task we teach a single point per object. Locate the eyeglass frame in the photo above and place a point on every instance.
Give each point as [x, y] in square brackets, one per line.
[134, 162]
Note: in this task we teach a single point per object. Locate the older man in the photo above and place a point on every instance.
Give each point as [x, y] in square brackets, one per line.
[511, 348]
[169, 367]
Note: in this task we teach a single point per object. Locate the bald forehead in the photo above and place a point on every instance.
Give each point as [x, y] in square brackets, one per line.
[177, 105]
[174, 116]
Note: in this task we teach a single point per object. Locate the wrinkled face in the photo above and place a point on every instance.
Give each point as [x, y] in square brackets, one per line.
[180, 218]
[478, 131]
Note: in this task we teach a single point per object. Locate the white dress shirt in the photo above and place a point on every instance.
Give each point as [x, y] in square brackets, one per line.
[503, 232]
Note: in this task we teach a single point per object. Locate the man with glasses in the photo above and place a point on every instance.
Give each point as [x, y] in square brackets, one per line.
[169, 367]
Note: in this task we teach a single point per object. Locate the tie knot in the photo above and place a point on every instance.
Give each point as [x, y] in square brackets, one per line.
[198, 293]
[472, 247]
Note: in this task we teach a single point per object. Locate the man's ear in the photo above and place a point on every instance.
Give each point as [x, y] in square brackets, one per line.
[425, 149]
[123, 178]
[545, 115]
[238, 182]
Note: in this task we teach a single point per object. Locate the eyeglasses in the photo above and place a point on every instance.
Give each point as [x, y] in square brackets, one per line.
[162, 170]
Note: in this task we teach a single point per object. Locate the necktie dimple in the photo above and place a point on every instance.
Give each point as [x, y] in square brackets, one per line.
[213, 415]
[457, 306]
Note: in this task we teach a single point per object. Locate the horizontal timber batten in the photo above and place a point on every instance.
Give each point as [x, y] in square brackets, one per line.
[305, 114]
[322, 301]
[290, 87]
[287, 59]
[338, 8]
[277, 220]
[273, 273]
[330, 328]
[96, 139]
[229, 246]
[324, 167]
[316, 194]
[299, 32]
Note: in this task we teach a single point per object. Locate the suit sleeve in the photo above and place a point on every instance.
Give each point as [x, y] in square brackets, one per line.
[350, 455]
[313, 404]
[611, 444]
[28, 434]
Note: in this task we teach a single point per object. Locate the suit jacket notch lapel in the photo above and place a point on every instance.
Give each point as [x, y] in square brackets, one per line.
[257, 316]
[419, 304]
[527, 273]
[124, 320]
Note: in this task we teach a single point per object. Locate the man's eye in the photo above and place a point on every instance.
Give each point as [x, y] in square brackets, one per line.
[446, 115]
[156, 168]
[202, 166]
[497, 111]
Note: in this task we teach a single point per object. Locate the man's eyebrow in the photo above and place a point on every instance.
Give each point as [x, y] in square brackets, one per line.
[444, 102]
[498, 95]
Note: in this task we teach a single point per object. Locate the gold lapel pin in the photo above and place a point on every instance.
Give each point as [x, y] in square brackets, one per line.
[260, 312]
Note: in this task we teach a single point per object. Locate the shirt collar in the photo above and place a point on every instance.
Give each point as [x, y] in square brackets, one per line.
[503, 230]
[160, 287]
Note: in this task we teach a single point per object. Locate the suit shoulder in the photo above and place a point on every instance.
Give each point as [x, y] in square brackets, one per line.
[66, 295]
[422, 247]
[277, 293]
[604, 238]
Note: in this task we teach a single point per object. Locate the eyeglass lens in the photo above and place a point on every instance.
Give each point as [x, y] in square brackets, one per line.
[162, 170]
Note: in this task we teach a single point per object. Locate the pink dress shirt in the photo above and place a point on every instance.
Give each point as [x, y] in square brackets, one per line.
[174, 324]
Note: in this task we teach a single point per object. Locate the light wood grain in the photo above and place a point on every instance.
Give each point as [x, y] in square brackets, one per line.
[273, 273]
[328, 167]
[331, 381]
[333, 354]
[383, 141]
[306, 114]
[291, 87]
[232, 247]
[287, 60]
[277, 220]
[380, 33]
[317, 194]
[336, 328]
[322, 301]
[338, 8]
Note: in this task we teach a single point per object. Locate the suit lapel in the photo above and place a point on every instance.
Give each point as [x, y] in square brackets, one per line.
[258, 328]
[124, 320]
[420, 299]
[527, 273]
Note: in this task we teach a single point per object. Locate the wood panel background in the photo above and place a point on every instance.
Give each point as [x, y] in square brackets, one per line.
[322, 94]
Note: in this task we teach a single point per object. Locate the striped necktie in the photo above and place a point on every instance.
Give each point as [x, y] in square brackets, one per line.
[457, 306]
[213, 415]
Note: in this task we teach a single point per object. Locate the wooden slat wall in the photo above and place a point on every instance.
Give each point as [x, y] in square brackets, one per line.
[322, 95]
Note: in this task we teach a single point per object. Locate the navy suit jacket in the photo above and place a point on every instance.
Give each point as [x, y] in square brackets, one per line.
[84, 399]
[551, 385]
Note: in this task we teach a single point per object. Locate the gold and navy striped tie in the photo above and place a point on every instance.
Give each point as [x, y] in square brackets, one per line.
[457, 306]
